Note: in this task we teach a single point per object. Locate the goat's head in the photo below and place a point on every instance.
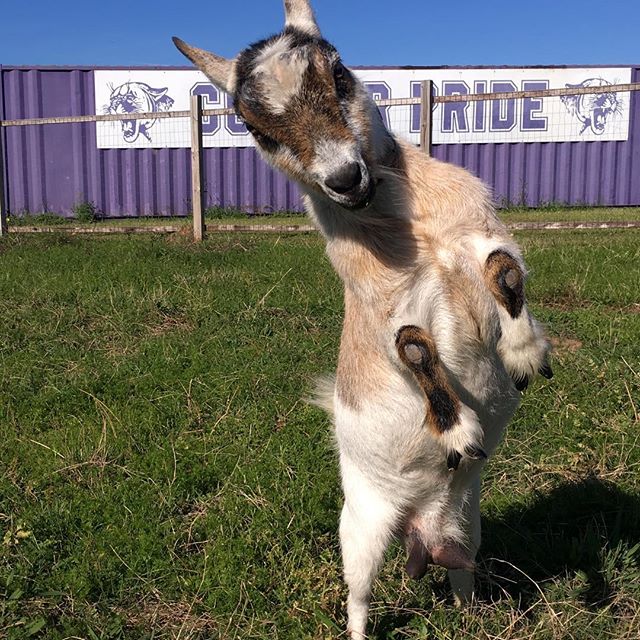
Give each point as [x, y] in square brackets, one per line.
[309, 115]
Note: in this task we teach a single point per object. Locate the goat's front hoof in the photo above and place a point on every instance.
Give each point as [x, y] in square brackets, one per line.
[546, 371]
[522, 382]
[475, 453]
[471, 451]
[453, 460]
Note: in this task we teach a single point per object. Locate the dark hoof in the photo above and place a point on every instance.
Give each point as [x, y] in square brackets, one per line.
[521, 383]
[453, 460]
[546, 371]
[475, 453]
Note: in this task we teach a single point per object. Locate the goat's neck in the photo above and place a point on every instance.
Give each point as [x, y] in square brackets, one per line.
[373, 249]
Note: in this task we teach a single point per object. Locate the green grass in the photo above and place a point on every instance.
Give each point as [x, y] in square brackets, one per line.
[161, 478]
[213, 215]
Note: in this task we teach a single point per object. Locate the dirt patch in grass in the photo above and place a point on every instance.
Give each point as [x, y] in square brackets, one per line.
[168, 323]
[565, 344]
[571, 298]
[170, 620]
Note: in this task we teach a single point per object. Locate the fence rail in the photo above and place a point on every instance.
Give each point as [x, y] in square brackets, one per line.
[118, 117]
[426, 101]
[392, 102]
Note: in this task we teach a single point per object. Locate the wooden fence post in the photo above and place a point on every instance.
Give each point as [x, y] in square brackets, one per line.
[426, 119]
[4, 228]
[197, 186]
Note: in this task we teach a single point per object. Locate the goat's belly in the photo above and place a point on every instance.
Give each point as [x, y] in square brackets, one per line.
[386, 437]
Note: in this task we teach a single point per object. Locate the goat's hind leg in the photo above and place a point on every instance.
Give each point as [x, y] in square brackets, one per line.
[463, 579]
[367, 524]
[523, 346]
[452, 422]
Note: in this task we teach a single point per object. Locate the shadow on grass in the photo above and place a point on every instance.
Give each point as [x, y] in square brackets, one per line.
[588, 529]
[583, 535]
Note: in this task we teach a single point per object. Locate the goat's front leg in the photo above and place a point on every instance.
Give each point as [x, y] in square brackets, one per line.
[452, 422]
[523, 346]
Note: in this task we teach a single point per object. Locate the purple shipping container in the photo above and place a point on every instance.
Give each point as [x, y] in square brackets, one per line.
[54, 167]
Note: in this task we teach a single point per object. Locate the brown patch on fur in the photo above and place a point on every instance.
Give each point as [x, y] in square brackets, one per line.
[466, 299]
[419, 354]
[312, 115]
[387, 243]
[506, 281]
[362, 370]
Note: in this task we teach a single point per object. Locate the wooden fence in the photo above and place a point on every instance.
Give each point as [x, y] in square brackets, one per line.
[197, 113]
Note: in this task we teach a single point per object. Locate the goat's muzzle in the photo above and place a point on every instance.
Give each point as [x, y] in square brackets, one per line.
[351, 186]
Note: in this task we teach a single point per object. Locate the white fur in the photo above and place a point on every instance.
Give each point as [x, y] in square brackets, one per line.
[330, 155]
[281, 72]
[523, 346]
[298, 14]
[391, 465]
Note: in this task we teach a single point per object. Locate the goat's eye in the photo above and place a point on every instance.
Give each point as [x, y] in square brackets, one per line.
[339, 71]
[266, 142]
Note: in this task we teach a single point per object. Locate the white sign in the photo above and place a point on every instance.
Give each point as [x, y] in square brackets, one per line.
[591, 117]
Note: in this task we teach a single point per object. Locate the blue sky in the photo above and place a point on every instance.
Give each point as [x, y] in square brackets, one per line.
[411, 32]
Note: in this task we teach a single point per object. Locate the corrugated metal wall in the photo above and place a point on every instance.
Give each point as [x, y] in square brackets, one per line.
[53, 167]
[593, 173]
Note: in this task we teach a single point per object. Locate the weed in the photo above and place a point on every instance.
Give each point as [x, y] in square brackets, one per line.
[86, 212]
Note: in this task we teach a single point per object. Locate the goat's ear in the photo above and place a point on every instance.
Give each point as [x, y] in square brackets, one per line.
[299, 15]
[219, 70]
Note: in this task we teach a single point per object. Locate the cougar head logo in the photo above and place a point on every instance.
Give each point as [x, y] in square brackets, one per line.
[592, 109]
[137, 97]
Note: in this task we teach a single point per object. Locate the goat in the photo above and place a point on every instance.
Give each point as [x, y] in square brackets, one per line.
[437, 341]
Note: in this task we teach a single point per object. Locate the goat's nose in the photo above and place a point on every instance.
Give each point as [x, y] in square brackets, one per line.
[345, 179]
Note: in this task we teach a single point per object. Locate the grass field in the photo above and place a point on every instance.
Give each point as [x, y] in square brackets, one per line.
[160, 476]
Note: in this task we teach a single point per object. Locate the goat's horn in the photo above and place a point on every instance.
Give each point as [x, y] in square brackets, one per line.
[219, 70]
[299, 15]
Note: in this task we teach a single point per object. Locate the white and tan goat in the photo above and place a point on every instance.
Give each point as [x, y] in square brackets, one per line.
[437, 341]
